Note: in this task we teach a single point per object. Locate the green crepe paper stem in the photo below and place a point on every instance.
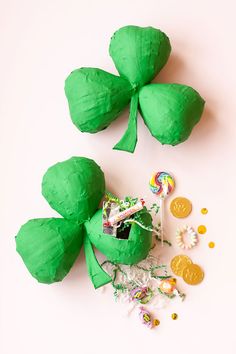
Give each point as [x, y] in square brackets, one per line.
[129, 139]
[97, 275]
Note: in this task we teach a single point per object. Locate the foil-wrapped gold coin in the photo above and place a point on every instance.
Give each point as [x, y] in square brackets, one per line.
[180, 207]
[179, 263]
[193, 274]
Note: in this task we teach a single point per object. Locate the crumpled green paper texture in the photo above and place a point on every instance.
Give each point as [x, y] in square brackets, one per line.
[74, 188]
[96, 97]
[49, 247]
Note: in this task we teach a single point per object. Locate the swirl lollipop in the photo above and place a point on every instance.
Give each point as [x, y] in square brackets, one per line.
[161, 184]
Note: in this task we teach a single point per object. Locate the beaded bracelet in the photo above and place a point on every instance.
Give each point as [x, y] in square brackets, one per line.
[180, 237]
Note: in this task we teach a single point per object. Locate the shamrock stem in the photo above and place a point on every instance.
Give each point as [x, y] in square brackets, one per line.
[97, 275]
[129, 139]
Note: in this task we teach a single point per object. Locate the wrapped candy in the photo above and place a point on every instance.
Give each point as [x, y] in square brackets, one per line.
[125, 213]
[145, 317]
[167, 286]
[137, 294]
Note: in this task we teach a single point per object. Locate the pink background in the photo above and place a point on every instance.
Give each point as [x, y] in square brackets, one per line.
[41, 42]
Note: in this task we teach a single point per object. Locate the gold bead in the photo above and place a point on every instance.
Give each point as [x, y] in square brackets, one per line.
[174, 316]
[156, 322]
[202, 229]
[204, 211]
[211, 244]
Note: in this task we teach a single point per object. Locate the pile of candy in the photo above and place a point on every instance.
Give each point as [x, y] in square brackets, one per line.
[142, 284]
[119, 214]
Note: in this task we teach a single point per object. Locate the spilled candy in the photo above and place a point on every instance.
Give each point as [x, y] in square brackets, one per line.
[145, 317]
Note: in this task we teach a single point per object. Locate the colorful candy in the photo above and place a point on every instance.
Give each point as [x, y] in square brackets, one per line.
[145, 317]
[191, 233]
[161, 184]
[167, 286]
[126, 213]
[139, 293]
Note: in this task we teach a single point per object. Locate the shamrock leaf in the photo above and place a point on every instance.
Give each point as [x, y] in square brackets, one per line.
[170, 111]
[50, 246]
[74, 188]
[139, 53]
[96, 97]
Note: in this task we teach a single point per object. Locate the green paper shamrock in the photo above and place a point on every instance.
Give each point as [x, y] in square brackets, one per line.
[50, 246]
[96, 97]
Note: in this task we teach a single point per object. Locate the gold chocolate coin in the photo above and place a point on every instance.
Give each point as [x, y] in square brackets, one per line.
[179, 263]
[193, 274]
[180, 207]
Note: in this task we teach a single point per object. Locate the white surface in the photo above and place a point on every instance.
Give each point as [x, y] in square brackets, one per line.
[41, 42]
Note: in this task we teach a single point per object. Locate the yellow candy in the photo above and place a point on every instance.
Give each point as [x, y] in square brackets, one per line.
[156, 322]
[202, 229]
[174, 316]
[167, 286]
[211, 244]
[204, 211]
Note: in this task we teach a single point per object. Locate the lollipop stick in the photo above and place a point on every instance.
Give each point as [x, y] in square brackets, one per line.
[161, 216]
